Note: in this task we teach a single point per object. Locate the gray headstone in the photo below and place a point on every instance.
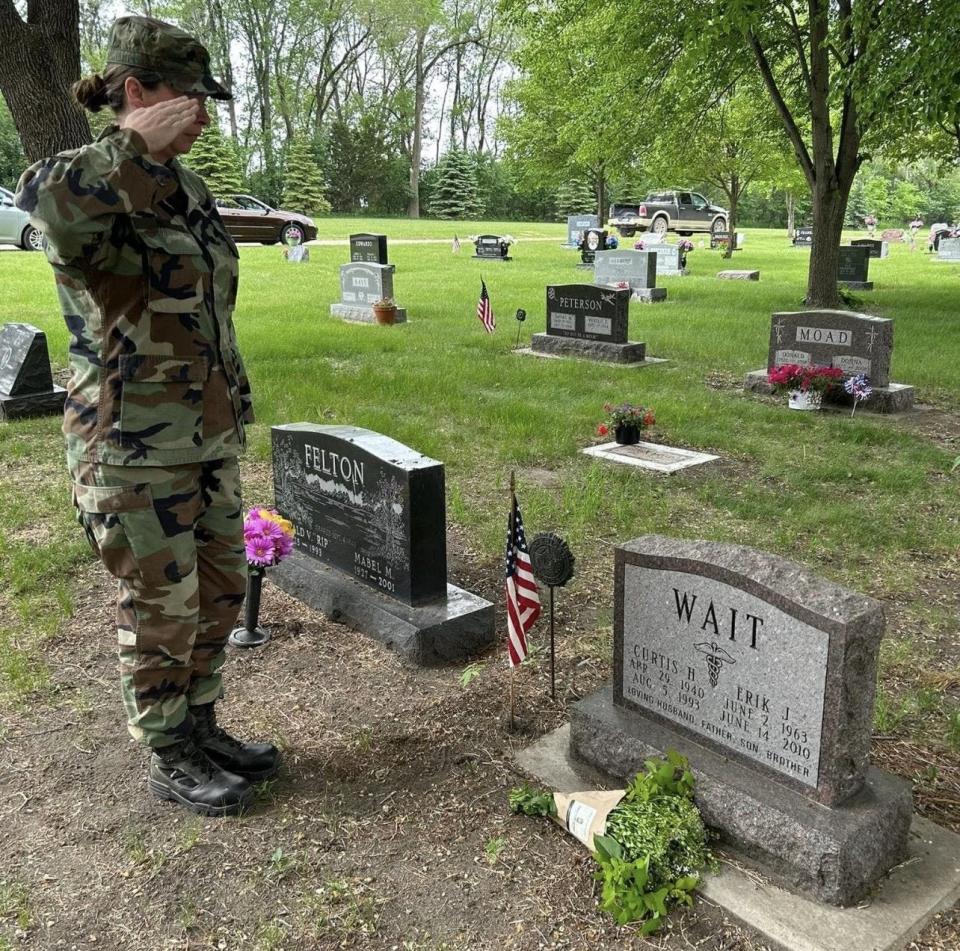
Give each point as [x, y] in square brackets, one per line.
[587, 312]
[857, 343]
[24, 361]
[877, 248]
[949, 249]
[576, 225]
[668, 259]
[637, 268]
[364, 284]
[368, 248]
[764, 676]
[853, 265]
[366, 505]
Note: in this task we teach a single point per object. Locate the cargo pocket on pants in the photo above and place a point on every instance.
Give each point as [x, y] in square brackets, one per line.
[104, 511]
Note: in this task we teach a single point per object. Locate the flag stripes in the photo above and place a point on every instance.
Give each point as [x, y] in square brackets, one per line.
[485, 310]
[523, 599]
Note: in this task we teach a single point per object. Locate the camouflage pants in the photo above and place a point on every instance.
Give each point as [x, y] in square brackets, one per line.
[173, 537]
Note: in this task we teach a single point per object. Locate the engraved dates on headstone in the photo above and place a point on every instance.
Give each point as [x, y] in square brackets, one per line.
[857, 343]
[366, 505]
[368, 248]
[750, 654]
[588, 312]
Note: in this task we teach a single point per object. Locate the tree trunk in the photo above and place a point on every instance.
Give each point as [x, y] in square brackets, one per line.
[733, 196]
[413, 208]
[829, 207]
[791, 220]
[40, 62]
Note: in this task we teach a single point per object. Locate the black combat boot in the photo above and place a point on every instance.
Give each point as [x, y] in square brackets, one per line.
[253, 761]
[183, 773]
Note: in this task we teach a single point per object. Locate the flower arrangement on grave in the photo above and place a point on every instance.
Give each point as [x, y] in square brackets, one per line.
[859, 388]
[650, 846]
[638, 245]
[612, 242]
[267, 540]
[685, 246]
[805, 385]
[626, 420]
[384, 310]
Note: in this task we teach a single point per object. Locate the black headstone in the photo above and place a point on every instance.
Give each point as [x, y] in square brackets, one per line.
[592, 241]
[877, 248]
[26, 384]
[366, 505]
[719, 239]
[803, 237]
[368, 248]
[587, 312]
[853, 264]
[24, 361]
[491, 246]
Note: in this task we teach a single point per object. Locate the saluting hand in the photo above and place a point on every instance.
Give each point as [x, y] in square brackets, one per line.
[161, 123]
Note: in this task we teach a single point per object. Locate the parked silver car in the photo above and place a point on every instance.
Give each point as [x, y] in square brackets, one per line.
[15, 227]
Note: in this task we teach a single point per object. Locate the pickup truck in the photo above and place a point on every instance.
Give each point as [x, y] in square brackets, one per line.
[660, 212]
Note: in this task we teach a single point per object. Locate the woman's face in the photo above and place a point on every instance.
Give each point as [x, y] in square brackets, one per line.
[183, 142]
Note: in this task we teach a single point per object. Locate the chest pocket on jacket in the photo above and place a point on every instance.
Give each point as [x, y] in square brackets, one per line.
[175, 269]
[161, 402]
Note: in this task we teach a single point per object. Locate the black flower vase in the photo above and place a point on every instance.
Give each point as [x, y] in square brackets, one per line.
[626, 434]
[250, 635]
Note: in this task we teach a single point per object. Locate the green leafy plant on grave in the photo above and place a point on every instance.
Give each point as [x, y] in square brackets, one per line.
[654, 846]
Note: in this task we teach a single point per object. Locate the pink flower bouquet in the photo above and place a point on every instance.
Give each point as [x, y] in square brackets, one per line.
[267, 537]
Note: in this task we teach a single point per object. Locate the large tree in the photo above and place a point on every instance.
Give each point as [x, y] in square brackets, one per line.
[39, 61]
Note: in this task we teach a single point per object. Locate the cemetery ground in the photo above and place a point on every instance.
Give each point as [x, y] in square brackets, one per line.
[388, 826]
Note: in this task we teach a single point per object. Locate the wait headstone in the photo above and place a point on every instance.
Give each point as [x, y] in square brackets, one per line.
[803, 238]
[368, 248]
[856, 343]
[878, 249]
[584, 320]
[853, 267]
[764, 676]
[636, 268]
[361, 286]
[26, 383]
[948, 249]
[370, 520]
[491, 247]
[576, 225]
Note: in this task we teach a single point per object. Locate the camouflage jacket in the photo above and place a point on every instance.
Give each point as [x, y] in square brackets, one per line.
[146, 274]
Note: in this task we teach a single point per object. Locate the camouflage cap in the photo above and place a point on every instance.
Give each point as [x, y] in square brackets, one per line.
[161, 48]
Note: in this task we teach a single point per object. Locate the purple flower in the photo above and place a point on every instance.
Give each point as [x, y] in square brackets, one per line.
[259, 550]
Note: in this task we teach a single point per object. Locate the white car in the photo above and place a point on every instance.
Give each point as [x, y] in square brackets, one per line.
[15, 227]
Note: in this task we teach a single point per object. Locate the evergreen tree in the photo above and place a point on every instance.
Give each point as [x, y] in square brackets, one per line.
[303, 184]
[575, 197]
[456, 193]
[216, 159]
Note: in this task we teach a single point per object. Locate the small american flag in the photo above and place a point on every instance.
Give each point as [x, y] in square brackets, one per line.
[484, 310]
[523, 599]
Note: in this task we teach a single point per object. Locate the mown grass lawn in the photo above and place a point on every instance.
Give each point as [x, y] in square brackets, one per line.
[867, 501]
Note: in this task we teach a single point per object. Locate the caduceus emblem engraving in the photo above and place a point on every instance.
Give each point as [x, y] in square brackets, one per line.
[716, 658]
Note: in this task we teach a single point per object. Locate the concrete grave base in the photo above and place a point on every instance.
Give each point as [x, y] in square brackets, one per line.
[589, 349]
[648, 455]
[33, 404]
[435, 633]
[857, 285]
[363, 315]
[480, 257]
[895, 398]
[649, 295]
[739, 275]
[834, 855]
[903, 902]
[646, 362]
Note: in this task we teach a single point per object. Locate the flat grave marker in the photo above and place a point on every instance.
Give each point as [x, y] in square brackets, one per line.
[648, 455]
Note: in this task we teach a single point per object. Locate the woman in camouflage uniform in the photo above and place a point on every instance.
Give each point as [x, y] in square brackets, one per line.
[155, 411]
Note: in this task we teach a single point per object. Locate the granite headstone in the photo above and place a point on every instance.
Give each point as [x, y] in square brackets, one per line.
[576, 225]
[803, 237]
[636, 268]
[853, 267]
[26, 383]
[764, 676]
[669, 260]
[361, 286]
[370, 513]
[369, 248]
[948, 249]
[878, 248]
[491, 247]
